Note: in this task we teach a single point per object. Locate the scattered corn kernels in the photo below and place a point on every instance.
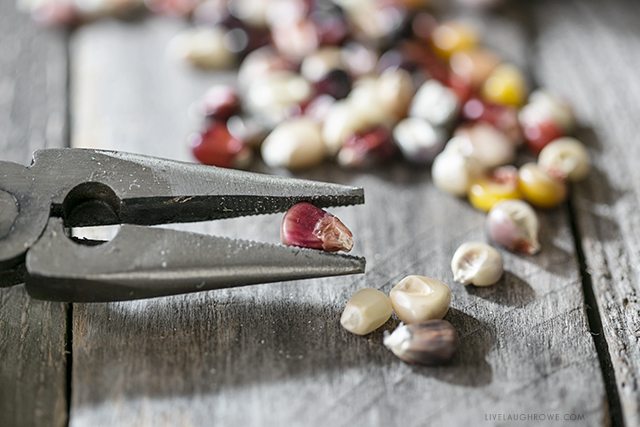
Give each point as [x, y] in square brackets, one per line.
[505, 86]
[514, 225]
[566, 158]
[433, 342]
[366, 311]
[476, 263]
[499, 185]
[540, 188]
[418, 298]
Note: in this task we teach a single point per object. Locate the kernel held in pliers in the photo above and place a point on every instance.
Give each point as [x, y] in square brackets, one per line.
[66, 188]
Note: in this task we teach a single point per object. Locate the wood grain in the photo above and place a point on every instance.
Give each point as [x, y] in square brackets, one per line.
[32, 116]
[588, 51]
[275, 354]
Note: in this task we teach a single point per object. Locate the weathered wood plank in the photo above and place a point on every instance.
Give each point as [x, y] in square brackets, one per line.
[32, 116]
[276, 354]
[589, 52]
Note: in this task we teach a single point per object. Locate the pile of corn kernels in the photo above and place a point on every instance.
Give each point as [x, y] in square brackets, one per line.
[363, 83]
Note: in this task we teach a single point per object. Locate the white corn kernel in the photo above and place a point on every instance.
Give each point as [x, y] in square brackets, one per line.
[204, 47]
[418, 298]
[258, 64]
[476, 263]
[366, 311]
[489, 146]
[565, 157]
[294, 144]
[395, 92]
[371, 98]
[554, 108]
[273, 96]
[364, 92]
[435, 103]
[419, 141]
[318, 64]
[253, 12]
[345, 119]
[453, 172]
[514, 225]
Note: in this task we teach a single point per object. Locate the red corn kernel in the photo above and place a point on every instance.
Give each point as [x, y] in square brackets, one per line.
[295, 40]
[368, 148]
[308, 226]
[538, 135]
[461, 87]
[217, 147]
[336, 83]
[221, 102]
[501, 117]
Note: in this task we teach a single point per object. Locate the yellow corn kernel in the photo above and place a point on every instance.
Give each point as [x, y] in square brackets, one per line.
[452, 37]
[539, 188]
[489, 190]
[505, 86]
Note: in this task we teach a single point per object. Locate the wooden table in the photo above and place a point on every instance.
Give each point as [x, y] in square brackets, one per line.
[559, 336]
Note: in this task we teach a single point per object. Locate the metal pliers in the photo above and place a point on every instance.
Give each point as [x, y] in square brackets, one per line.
[65, 188]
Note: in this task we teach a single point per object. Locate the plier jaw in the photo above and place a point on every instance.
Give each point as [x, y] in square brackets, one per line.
[73, 187]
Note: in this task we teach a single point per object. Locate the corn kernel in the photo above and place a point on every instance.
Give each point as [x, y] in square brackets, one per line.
[430, 343]
[514, 225]
[452, 37]
[453, 171]
[366, 311]
[500, 185]
[476, 263]
[474, 66]
[505, 86]
[565, 158]
[539, 188]
[416, 299]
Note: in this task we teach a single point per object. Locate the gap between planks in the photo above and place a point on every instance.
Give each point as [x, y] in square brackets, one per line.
[595, 323]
